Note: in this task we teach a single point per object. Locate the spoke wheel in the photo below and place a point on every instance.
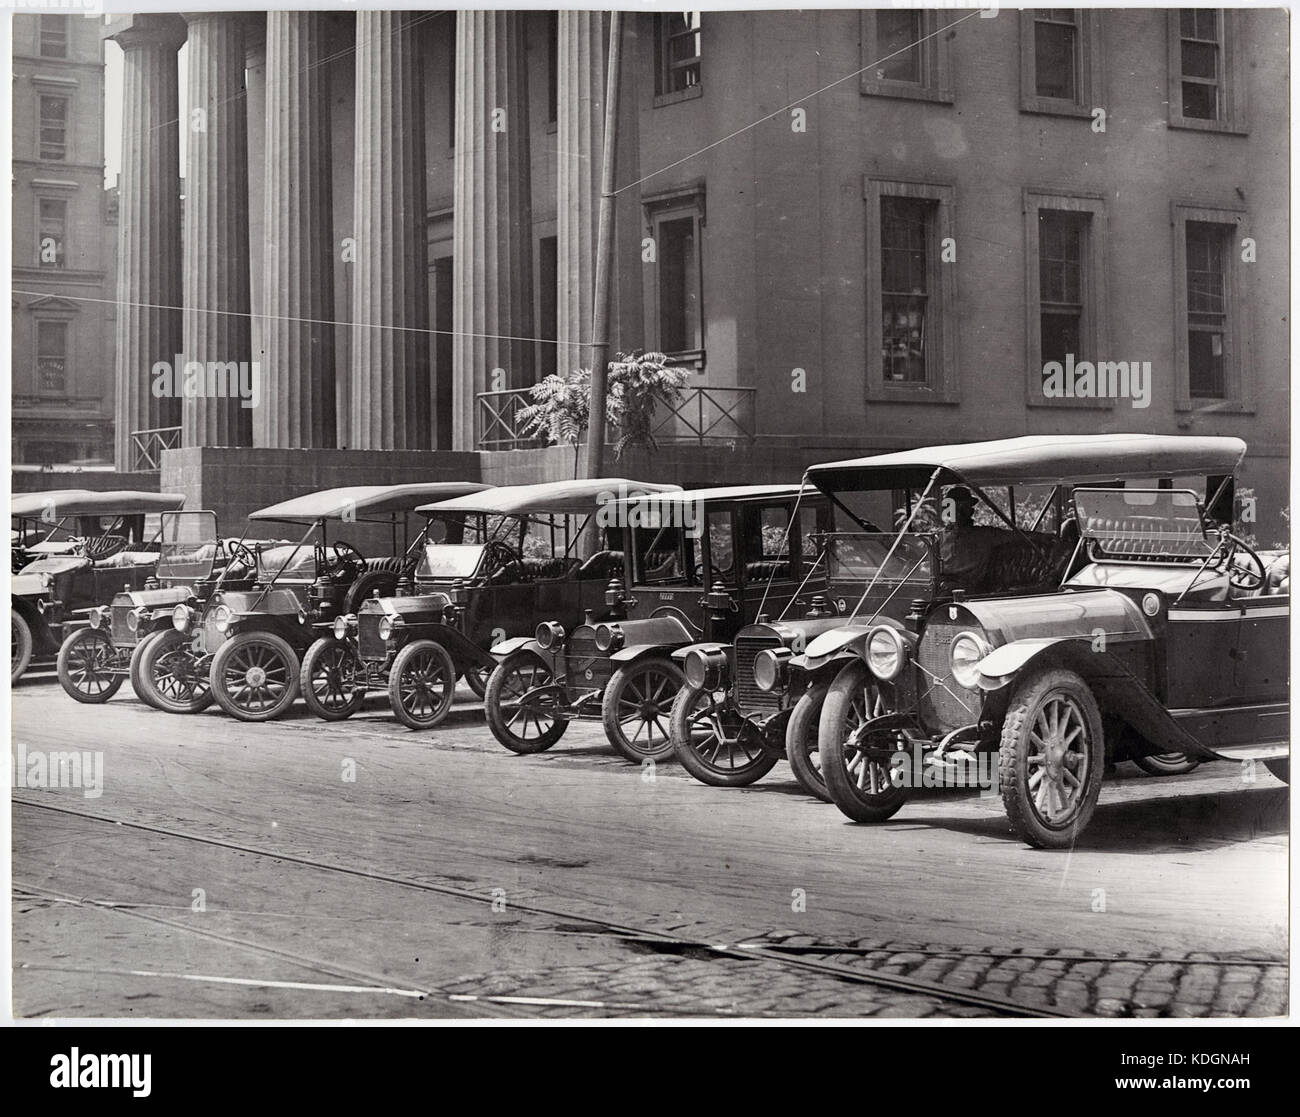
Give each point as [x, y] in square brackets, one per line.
[636, 707]
[861, 787]
[421, 684]
[168, 676]
[522, 728]
[332, 679]
[1051, 758]
[801, 748]
[1167, 764]
[20, 645]
[85, 666]
[142, 691]
[255, 676]
[476, 678]
[708, 742]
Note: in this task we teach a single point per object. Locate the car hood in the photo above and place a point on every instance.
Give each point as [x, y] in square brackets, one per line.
[29, 584]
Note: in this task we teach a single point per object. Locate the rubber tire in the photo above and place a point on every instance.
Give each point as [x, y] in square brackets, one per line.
[20, 645]
[687, 756]
[1157, 766]
[308, 691]
[385, 581]
[141, 691]
[401, 662]
[801, 736]
[858, 805]
[1028, 695]
[1280, 768]
[613, 695]
[495, 717]
[151, 649]
[226, 652]
[74, 640]
[477, 682]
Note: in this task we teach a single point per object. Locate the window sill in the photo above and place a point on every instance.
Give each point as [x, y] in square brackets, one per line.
[1046, 106]
[688, 94]
[1214, 406]
[909, 393]
[1066, 404]
[905, 92]
[1220, 127]
[687, 358]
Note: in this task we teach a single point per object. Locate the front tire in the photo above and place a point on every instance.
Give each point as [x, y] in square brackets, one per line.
[421, 684]
[1051, 758]
[801, 736]
[708, 742]
[20, 645]
[332, 679]
[636, 706]
[255, 676]
[476, 678]
[167, 676]
[860, 786]
[84, 670]
[137, 656]
[1167, 764]
[521, 729]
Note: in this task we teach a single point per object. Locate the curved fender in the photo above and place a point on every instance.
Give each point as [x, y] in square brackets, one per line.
[707, 646]
[1002, 664]
[516, 644]
[836, 643]
[636, 651]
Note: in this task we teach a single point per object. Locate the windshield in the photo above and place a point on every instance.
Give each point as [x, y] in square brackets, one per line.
[1147, 523]
[287, 562]
[189, 545]
[861, 557]
[447, 561]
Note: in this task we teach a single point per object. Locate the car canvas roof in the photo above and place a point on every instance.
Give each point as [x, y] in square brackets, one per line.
[1038, 459]
[579, 497]
[352, 501]
[85, 502]
[721, 493]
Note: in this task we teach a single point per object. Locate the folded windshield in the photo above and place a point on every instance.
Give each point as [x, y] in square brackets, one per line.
[449, 560]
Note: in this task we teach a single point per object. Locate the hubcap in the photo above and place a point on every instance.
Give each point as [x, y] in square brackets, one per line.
[255, 676]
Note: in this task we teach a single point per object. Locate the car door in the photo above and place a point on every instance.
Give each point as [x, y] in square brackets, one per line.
[1263, 648]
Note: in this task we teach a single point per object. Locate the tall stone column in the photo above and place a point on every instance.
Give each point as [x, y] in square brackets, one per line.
[149, 227]
[492, 308]
[391, 345]
[217, 306]
[255, 100]
[298, 370]
[583, 57]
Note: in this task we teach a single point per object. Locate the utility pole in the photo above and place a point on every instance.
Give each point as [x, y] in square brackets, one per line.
[604, 258]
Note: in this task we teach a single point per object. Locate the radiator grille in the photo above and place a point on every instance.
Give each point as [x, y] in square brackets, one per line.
[117, 625]
[748, 697]
[212, 639]
[369, 645]
[943, 704]
[585, 665]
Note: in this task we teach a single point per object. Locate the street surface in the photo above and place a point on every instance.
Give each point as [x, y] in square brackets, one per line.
[310, 870]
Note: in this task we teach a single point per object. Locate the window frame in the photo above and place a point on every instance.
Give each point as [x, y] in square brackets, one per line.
[66, 101]
[67, 36]
[663, 93]
[936, 60]
[1234, 115]
[1237, 389]
[62, 265]
[1089, 84]
[1094, 329]
[54, 319]
[673, 205]
[941, 384]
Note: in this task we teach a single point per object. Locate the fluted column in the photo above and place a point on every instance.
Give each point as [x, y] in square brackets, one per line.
[149, 227]
[217, 306]
[583, 55]
[255, 100]
[298, 371]
[391, 346]
[492, 229]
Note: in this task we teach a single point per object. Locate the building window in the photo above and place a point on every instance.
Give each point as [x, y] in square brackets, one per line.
[552, 67]
[910, 292]
[54, 37]
[52, 358]
[54, 129]
[677, 322]
[52, 220]
[677, 48]
[1209, 330]
[904, 54]
[1060, 60]
[1205, 90]
[548, 300]
[1065, 241]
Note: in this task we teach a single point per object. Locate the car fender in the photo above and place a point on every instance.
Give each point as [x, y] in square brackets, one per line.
[513, 644]
[640, 651]
[706, 646]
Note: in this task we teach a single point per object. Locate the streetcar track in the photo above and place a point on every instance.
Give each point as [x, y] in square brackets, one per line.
[646, 936]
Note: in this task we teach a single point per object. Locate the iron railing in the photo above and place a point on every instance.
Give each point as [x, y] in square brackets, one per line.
[699, 415]
[147, 447]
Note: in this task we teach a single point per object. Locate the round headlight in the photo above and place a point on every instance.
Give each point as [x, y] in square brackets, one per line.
[549, 634]
[96, 617]
[609, 637]
[386, 626]
[703, 669]
[770, 668]
[886, 653]
[221, 618]
[340, 627]
[133, 619]
[964, 654]
[181, 618]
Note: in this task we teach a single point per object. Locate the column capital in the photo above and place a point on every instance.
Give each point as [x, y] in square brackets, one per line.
[133, 31]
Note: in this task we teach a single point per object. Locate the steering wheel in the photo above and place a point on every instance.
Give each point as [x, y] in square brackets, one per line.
[103, 546]
[500, 554]
[352, 561]
[241, 553]
[1240, 578]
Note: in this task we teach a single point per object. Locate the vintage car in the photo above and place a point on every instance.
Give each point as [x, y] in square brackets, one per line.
[509, 560]
[142, 634]
[1167, 634]
[92, 544]
[698, 565]
[252, 640]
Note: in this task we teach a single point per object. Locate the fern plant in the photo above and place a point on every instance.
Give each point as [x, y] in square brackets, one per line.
[559, 410]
